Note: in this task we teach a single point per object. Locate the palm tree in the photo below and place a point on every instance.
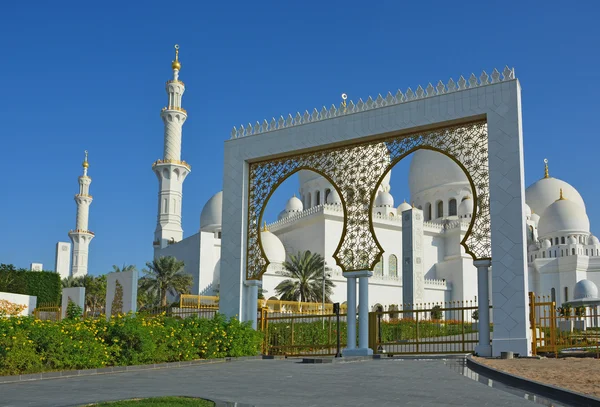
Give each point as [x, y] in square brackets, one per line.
[129, 267]
[71, 281]
[166, 274]
[306, 272]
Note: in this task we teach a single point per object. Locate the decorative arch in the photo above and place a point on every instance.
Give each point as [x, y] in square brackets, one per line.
[356, 183]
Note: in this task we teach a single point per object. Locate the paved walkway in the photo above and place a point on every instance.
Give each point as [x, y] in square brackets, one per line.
[375, 383]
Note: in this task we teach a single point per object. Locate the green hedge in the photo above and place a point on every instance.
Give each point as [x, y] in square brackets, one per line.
[45, 285]
[30, 346]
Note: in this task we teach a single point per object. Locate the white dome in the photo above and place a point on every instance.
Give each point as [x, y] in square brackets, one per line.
[593, 240]
[546, 244]
[465, 209]
[563, 216]
[429, 169]
[404, 207]
[535, 218]
[334, 197]
[585, 289]
[272, 246]
[294, 205]
[306, 175]
[571, 240]
[211, 215]
[384, 198]
[527, 212]
[541, 194]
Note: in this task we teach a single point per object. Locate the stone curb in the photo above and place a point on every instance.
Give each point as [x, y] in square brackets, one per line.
[568, 397]
[118, 369]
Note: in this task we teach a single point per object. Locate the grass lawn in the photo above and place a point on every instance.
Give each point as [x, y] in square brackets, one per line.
[159, 402]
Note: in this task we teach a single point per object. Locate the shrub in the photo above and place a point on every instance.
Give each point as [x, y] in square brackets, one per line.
[28, 345]
[436, 312]
[45, 285]
[393, 309]
[9, 309]
[74, 311]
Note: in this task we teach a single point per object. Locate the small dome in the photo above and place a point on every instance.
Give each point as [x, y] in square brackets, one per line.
[563, 216]
[541, 194]
[272, 246]
[593, 240]
[585, 289]
[527, 212]
[384, 198]
[334, 198]
[294, 205]
[404, 207]
[535, 218]
[572, 240]
[211, 215]
[546, 244]
[465, 209]
[429, 169]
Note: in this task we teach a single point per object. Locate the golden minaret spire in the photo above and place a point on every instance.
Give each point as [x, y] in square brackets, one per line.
[176, 65]
[546, 174]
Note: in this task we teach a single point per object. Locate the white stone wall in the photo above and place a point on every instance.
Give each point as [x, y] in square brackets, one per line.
[499, 103]
[28, 300]
[62, 260]
[129, 282]
[76, 294]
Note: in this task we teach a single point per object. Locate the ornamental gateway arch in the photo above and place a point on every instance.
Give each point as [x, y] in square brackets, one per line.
[475, 122]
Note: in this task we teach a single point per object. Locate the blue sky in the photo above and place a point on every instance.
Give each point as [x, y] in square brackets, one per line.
[83, 75]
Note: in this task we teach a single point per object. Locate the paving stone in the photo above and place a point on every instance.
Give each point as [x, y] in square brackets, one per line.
[273, 383]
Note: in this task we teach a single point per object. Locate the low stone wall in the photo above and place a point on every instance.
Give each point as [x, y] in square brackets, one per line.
[29, 300]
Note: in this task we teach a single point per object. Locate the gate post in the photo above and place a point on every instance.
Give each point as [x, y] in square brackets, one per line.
[483, 307]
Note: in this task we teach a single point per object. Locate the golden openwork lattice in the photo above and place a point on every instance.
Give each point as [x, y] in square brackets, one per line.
[355, 171]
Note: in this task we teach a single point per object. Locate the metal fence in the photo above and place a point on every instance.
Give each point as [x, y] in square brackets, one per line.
[48, 312]
[295, 335]
[442, 328]
[566, 329]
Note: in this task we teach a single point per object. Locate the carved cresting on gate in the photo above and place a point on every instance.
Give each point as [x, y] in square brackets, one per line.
[355, 171]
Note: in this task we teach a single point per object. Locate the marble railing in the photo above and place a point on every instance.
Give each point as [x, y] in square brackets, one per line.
[380, 102]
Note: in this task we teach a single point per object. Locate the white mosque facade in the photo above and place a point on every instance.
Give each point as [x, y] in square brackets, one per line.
[561, 250]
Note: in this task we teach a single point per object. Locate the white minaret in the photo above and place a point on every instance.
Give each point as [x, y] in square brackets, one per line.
[171, 170]
[81, 236]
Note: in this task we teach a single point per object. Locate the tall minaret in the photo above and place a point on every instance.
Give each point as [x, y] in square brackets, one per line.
[171, 170]
[81, 236]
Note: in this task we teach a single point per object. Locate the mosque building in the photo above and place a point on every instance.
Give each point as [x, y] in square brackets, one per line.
[561, 250]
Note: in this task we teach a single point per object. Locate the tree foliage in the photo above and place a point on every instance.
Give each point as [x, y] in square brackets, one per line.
[165, 275]
[305, 272]
[45, 285]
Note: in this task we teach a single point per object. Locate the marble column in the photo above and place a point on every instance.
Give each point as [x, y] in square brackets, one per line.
[483, 267]
[363, 313]
[252, 302]
[351, 315]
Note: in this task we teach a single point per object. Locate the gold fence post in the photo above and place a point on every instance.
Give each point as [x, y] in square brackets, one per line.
[292, 331]
[373, 331]
[532, 317]
[553, 317]
[417, 329]
[462, 323]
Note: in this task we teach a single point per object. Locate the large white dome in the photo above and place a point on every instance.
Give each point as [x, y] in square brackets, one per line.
[563, 216]
[211, 215]
[465, 209]
[272, 246]
[541, 194]
[585, 289]
[404, 206]
[430, 169]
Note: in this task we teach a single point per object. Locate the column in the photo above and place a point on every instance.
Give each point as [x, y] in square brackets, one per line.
[252, 303]
[483, 296]
[363, 314]
[351, 314]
